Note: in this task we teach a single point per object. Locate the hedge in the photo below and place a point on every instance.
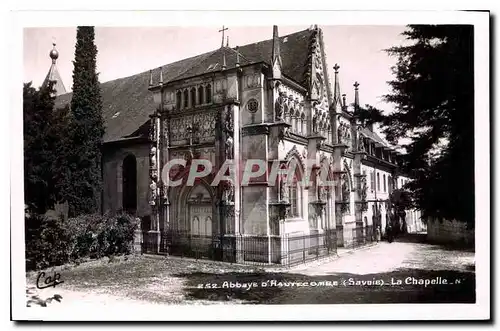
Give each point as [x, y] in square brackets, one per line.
[53, 241]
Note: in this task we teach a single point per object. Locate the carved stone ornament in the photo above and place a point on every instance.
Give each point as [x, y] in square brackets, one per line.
[152, 130]
[229, 147]
[283, 193]
[280, 105]
[252, 106]
[228, 123]
[153, 189]
[315, 122]
[346, 194]
[364, 187]
[228, 193]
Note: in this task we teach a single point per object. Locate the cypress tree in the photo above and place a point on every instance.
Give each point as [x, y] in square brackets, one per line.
[83, 187]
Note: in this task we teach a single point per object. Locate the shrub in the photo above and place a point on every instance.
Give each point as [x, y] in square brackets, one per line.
[47, 242]
[52, 242]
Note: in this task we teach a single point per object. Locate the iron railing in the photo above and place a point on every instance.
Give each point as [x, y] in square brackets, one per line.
[363, 236]
[248, 249]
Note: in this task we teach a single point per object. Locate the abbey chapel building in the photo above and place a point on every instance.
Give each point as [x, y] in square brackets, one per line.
[271, 101]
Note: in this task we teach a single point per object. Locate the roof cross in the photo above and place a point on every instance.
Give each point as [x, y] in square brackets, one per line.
[223, 29]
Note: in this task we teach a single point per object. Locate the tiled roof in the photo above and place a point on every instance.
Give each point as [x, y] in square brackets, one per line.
[127, 103]
[373, 136]
[54, 76]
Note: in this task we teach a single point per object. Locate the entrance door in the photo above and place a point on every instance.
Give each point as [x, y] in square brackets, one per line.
[200, 218]
[200, 222]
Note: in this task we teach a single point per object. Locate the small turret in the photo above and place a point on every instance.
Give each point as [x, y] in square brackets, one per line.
[53, 75]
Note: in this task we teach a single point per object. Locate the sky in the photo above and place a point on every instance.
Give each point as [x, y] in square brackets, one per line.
[125, 51]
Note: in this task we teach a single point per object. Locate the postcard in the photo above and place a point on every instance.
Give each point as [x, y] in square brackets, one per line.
[251, 166]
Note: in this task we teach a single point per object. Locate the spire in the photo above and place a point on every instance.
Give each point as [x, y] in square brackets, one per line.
[336, 91]
[344, 104]
[276, 57]
[356, 96]
[53, 74]
[227, 42]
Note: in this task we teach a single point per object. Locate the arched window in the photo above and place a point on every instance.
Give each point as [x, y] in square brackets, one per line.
[390, 183]
[299, 125]
[372, 181]
[129, 194]
[295, 189]
[208, 90]
[193, 97]
[293, 120]
[304, 124]
[186, 99]
[378, 182]
[178, 100]
[200, 95]
[385, 185]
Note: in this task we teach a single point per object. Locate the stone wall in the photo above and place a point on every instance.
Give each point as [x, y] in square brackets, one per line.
[113, 181]
[449, 232]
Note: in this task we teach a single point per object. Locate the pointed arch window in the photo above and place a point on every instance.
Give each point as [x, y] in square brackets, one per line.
[304, 124]
[378, 181]
[295, 189]
[178, 100]
[193, 97]
[200, 95]
[372, 181]
[385, 185]
[208, 93]
[186, 99]
[294, 120]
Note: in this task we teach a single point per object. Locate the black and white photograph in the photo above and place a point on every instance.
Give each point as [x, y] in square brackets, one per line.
[218, 166]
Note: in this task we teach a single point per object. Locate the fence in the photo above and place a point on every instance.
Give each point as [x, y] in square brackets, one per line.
[249, 249]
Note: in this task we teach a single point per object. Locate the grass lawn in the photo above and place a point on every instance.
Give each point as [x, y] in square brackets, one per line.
[153, 279]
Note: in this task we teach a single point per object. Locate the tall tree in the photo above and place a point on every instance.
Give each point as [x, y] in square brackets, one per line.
[87, 128]
[38, 107]
[433, 91]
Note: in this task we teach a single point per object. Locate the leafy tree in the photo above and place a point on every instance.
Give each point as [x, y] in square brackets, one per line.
[39, 149]
[433, 91]
[400, 200]
[83, 178]
[368, 114]
[45, 148]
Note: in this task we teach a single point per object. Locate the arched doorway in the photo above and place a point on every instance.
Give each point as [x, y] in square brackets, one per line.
[200, 212]
[129, 194]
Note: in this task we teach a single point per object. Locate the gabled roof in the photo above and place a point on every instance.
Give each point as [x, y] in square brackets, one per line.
[127, 103]
[373, 136]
